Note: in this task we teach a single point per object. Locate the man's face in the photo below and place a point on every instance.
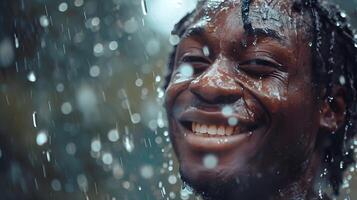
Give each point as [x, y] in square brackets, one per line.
[240, 105]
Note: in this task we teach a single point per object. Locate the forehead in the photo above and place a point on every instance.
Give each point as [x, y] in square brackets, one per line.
[277, 15]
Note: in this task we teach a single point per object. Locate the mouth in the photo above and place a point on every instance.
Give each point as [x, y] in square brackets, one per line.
[211, 131]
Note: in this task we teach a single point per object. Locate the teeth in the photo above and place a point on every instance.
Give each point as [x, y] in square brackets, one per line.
[221, 130]
[213, 129]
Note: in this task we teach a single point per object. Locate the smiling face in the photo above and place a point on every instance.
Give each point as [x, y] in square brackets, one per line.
[241, 107]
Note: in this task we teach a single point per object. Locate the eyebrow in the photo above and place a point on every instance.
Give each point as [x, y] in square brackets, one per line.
[198, 31]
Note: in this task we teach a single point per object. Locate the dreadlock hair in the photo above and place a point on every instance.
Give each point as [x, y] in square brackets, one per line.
[334, 54]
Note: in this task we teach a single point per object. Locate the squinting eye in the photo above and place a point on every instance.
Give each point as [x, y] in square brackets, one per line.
[258, 67]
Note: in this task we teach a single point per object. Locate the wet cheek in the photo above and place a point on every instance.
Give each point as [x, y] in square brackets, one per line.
[172, 92]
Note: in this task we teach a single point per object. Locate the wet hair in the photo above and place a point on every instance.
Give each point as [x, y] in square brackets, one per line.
[334, 62]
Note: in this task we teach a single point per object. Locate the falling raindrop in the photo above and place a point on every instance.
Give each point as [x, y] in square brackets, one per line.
[210, 161]
[34, 119]
[227, 111]
[94, 71]
[62, 7]
[205, 51]
[41, 138]
[147, 171]
[66, 108]
[113, 45]
[96, 145]
[113, 135]
[107, 158]
[174, 39]
[44, 21]
[144, 7]
[31, 77]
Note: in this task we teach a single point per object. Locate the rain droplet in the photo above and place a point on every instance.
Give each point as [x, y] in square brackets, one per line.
[31, 77]
[210, 161]
[174, 39]
[172, 179]
[34, 119]
[78, 3]
[44, 21]
[227, 111]
[147, 171]
[232, 121]
[139, 82]
[186, 70]
[113, 135]
[128, 144]
[144, 7]
[94, 71]
[98, 49]
[136, 118]
[96, 145]
[41, 138]
[95, 21]
[342, 80]
[66, 108]
[205, 51]
[107, 158]
[56, 185]
[113, 45]
[71, 148]
[62, 7]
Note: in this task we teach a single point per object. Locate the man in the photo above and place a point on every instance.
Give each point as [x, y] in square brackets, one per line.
[261, 97]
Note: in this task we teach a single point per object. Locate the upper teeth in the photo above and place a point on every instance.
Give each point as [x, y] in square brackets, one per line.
[212, 129]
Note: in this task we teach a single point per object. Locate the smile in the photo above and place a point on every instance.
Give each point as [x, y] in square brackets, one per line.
[210, 131]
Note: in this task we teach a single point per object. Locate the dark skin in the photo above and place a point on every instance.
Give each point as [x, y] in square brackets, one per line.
[265, 78]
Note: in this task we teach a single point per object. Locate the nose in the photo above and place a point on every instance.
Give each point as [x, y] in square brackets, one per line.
[216, 86]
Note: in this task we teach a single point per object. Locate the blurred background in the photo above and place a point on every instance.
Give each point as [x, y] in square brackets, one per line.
[81, 99]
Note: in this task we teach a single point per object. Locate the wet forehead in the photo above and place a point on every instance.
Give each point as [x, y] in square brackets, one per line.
[272, 14]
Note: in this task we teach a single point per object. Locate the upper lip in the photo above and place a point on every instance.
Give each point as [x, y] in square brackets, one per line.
[193, 114]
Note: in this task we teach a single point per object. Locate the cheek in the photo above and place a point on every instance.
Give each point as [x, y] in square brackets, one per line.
[172, 92]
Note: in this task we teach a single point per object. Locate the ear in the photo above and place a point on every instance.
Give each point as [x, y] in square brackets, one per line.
[333, 110]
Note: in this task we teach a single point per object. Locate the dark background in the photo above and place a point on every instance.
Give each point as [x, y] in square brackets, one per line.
[81, 99]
